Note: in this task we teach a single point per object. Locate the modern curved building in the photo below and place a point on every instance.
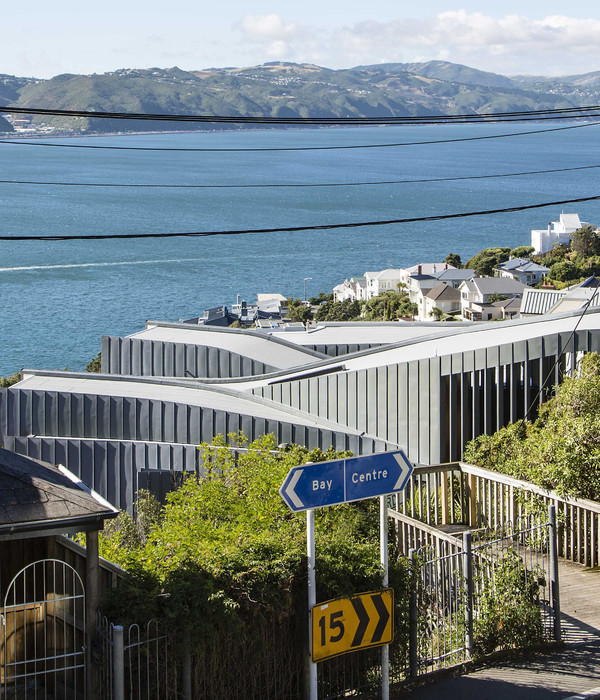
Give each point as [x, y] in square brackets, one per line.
[428, 391]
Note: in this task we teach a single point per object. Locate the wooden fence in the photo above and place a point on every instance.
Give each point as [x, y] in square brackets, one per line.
[456, 496]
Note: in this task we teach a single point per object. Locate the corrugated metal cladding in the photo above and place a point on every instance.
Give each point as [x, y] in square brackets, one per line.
[108, 440]
[335, 350]
[158, 358]
[111, 467]
[433, 407]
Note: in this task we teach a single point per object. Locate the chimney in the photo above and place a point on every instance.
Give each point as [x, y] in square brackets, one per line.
[419, 269]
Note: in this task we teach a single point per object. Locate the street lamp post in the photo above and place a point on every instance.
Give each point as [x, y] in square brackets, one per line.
[305, 279]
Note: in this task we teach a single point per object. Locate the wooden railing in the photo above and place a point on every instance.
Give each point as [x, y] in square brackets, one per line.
[458, 494]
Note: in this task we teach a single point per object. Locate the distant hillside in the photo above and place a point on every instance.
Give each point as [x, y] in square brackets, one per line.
[448, 72]
[289, 89]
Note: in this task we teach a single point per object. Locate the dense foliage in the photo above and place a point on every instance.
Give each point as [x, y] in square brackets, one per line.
[10, 380]
[226, 558]
[561, 449]
[484, 262]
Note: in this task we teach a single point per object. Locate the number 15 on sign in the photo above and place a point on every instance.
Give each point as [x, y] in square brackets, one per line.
[343, 625]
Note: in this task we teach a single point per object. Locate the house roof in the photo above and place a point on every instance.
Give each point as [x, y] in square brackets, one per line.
[513, 304]
[36, 496]
[539, 301]
[522, 265]
[455, 274]
[428, 268]
[443, 292]
[589, 283]
[271, 297]
[570, 221]
[494, 285]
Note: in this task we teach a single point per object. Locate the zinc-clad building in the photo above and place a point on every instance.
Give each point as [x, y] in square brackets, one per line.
[428, 394]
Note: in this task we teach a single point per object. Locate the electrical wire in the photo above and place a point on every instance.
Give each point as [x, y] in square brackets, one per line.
[297, 148]
[568, 112]
[293, 229]
[296, 185]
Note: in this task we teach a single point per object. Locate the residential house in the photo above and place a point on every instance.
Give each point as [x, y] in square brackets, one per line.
[443, 297]
[509, 308]
[558, 232]
[423, 269]
[417, 286]
[382, 281]
[476, 293]
[353, 289]
[454, 276]
[522, 270]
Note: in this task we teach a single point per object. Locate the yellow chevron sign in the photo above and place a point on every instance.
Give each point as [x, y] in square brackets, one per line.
[342, 625]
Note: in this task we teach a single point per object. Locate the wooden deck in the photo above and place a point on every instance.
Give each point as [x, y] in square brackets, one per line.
[579, 603]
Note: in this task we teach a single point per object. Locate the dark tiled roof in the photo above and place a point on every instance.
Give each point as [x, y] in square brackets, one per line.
[33, 492]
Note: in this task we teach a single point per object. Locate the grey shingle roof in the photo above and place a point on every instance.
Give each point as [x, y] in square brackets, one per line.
[443, 292]
[35, 495]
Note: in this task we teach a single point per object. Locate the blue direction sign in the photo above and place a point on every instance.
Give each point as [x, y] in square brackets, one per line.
[344, 480]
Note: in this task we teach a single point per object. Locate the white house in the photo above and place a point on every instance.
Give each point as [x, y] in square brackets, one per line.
[423, 269]
[475, 295]
[442, 296]
[559, 231]
[353, 289]
[454, 276]
[522, 270]
[382, 281]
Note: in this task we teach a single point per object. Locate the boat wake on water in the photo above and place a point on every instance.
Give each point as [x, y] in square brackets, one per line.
[23, 268]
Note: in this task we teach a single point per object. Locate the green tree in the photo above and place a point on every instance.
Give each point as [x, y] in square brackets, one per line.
[298, 310]
[347, 310]
[523, 251]
[453, 259]
[389, 306]
[321, 298]
[561, 449]
[95, 365]
[585, 241]
[10, 380]
[486, 260]
[496, 297]
[437, 313]
[564, 271]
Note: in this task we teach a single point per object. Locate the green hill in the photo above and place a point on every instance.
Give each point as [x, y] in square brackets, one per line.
[283, 89]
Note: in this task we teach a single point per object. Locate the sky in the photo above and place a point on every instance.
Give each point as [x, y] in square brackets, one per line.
[43, 38]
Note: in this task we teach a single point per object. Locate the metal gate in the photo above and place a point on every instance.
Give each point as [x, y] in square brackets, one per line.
[43, 633]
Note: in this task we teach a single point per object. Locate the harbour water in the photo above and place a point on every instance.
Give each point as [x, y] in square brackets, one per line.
[58, 298]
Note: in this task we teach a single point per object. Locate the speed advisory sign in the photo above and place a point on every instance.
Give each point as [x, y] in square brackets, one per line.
[343, 625]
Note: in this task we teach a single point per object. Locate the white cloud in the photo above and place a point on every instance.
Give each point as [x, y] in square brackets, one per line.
[556, 44]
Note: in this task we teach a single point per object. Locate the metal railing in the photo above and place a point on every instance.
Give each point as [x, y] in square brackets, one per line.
[134, 663]
[496, 589]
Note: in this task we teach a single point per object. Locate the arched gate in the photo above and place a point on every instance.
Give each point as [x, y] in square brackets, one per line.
[43, 633]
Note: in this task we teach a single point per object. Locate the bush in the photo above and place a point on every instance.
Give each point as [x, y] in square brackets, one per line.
[561, 450]
[225, 559]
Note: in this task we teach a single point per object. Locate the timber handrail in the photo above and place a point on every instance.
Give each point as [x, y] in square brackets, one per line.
[461, 493]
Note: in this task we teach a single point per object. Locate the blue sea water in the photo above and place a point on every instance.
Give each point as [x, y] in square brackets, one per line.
[58, 298]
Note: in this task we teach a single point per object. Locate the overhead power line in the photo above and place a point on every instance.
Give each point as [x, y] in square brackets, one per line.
[568, 112]
[292, 185]
[294, 229]
[296, 148]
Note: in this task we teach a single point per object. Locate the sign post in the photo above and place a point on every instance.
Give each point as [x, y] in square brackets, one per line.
[311, 486]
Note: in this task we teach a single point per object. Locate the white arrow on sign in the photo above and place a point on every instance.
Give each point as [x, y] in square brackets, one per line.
[403, 463]
[293, 496]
